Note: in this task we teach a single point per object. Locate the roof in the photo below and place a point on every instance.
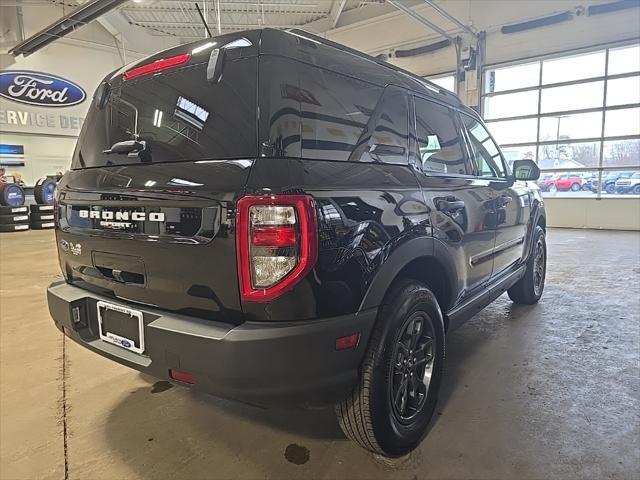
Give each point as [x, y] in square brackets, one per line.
[317, 51]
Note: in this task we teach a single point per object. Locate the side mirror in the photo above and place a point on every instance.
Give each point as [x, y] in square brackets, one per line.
[525, 170]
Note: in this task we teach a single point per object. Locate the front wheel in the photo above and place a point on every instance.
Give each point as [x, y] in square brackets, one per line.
[575, 187]
[610, 188]
[636, 190]
[389, 410]
[529, 288]
[553, 188]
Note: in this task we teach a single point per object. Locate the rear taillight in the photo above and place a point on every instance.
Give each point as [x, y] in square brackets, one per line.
[157, 66]
[277, 244]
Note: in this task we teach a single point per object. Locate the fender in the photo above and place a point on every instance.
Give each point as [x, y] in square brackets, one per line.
[537, 212]
[403, 254]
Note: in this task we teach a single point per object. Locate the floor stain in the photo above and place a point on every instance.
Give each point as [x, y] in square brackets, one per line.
[161, 386]
[297, 454]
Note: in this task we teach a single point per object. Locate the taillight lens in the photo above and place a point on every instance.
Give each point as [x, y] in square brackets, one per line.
[157, 66]
[277, 243]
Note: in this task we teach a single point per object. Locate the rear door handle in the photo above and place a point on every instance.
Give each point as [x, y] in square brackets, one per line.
[450, 205]
[504, 200]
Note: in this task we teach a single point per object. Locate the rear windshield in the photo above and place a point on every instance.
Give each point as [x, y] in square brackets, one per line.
[178, 114]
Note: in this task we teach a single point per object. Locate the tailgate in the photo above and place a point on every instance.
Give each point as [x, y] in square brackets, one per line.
[161, 235]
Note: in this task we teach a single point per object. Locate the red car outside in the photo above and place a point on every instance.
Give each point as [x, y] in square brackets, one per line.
[565, 181]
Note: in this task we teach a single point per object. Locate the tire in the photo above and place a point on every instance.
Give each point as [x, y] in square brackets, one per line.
[553, 188]
[11, 195]
[44, 191]
[12, 219]
[13, 210]
[14, 228]
[42, 217]
[38, 225]
[368, 415]
[575, 187]
[636, 190]
[610, 188]
[530, 287]
[40, 208]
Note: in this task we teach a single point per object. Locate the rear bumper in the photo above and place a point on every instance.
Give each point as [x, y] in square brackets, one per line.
[256, 362]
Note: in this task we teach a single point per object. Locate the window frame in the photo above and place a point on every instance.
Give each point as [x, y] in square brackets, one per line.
[602, 139]
[415, 150]
[470, 149]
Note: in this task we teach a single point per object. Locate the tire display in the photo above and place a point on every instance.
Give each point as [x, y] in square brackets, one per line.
[42, 225]
[40, 208]
[11, 195]
[16, 218]
[13, 210]
[42, 217]
[14, 228]
[44, 191]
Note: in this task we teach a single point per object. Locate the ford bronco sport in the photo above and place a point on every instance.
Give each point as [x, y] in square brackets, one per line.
[271, 217]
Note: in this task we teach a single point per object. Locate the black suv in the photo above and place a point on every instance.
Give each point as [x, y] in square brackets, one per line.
[271, 217]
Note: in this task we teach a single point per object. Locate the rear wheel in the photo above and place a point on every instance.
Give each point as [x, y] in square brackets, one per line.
[389, 410]
[575, 187]
[529, 288]
[610, 188]
[636, 190]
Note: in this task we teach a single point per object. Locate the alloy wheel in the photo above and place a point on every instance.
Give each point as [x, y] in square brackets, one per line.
[413, 359]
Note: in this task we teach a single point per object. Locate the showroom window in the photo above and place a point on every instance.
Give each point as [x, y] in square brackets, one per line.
[446, 81]
[577, 115]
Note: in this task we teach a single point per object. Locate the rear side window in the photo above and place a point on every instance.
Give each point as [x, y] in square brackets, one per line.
[485, 154]
[385, 138]
[335, 109]
[179, 115]
[439, 139]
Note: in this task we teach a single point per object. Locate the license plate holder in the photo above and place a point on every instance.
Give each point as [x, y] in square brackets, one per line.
[114, 317]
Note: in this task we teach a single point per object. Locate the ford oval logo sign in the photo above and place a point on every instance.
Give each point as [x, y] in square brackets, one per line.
[42, 89]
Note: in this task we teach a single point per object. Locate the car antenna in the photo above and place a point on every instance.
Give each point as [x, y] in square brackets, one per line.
[203, 20]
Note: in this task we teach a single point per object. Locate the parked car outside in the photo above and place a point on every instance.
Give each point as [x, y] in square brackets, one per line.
[629, 185]
[609, 181]
[563, 182]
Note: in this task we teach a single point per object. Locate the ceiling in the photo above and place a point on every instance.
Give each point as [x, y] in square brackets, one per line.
[181, 18]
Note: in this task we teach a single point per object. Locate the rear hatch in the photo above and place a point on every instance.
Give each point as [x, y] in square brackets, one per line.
[146, 212]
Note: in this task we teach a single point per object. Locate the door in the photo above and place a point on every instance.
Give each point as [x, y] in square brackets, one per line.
[460, 203]
[511, 201]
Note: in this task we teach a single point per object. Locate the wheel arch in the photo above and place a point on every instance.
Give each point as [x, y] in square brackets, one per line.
[422, 259]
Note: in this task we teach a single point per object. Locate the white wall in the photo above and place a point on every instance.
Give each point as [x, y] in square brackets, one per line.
[84, 58]
[612, 213]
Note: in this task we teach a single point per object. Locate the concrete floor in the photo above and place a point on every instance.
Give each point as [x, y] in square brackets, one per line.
[550, 391]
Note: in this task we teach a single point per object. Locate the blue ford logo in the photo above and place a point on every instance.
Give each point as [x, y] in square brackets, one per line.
[125, 343]
[35, 88]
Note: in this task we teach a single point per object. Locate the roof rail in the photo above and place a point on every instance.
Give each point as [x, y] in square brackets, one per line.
[344, 48]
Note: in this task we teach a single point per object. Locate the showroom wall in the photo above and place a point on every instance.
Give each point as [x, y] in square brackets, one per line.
[48, 134]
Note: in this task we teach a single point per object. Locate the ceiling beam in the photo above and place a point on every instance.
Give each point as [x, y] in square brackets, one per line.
[450, 17]
[400, 6]
[80, 16]
[336, 11]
